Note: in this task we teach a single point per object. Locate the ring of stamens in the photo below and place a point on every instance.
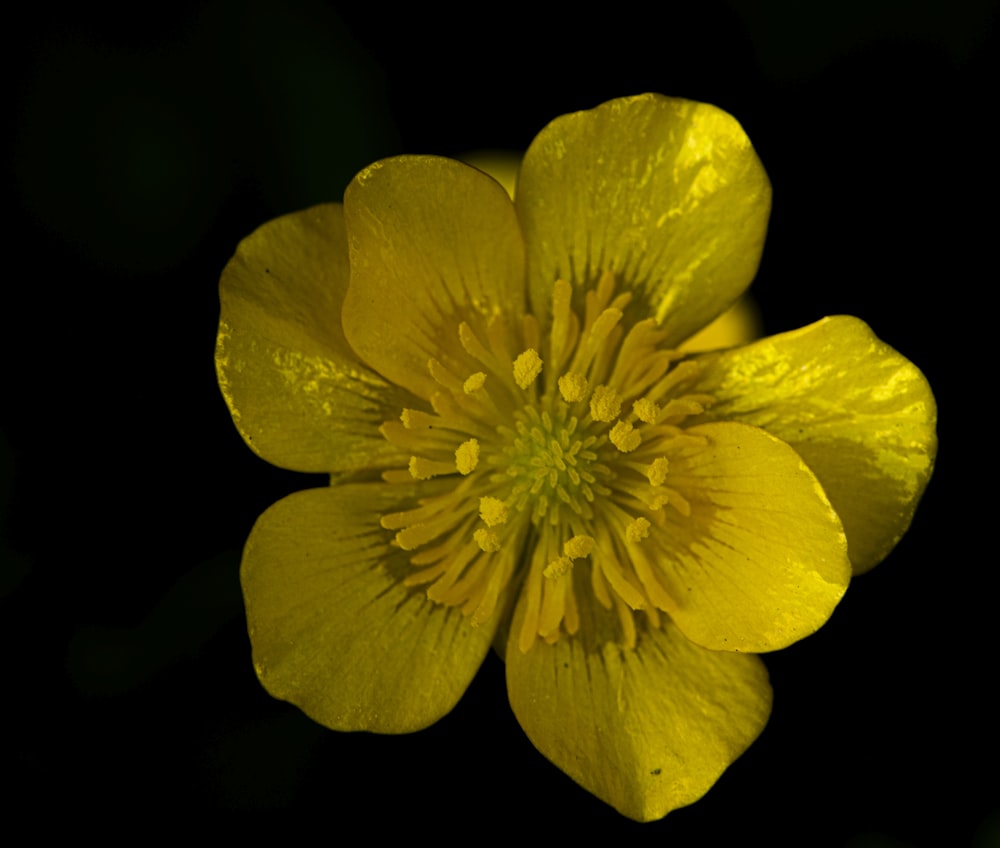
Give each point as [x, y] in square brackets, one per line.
[560, 458]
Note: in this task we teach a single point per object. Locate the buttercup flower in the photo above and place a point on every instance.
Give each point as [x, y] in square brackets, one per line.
[521, 456]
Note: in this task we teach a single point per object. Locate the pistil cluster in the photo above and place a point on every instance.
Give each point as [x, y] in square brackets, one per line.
[548, 469]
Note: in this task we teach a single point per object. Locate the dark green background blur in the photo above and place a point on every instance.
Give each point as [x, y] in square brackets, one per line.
[143, 145]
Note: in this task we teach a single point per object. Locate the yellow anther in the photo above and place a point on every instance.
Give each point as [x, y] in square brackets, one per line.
[637, 530]
[492, 510]
[605, 404]
[625, 437]
[573, 387]
[466, 457]
[645, 410]
[423, 469]
[474, 383]
[657, 471]
[578, 547]
[487, 540]
[527, 367]
[414, 419]
[558, 567]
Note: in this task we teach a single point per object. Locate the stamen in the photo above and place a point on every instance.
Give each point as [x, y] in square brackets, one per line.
[487, 540]
[422, 468]
[414, 419]
[558, 567]
[443, 376]
[473, 346]
[573, 387]
[637, 530]
[625, 437]
[683, 406]
[645, 410]
[562, 337]
[474, 383]
[417, 440]
[578, 547]
[475, 534]
[605, 404]
[657, 471]
[415, 535]
[527, 367]
[466, 456]
[595, 339]
[679, 502]
[493, 511]
[627, 622]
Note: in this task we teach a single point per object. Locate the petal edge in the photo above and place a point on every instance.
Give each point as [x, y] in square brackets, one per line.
[333, 628]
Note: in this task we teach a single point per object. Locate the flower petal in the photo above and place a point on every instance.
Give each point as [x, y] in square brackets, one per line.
[761, 561]
[296, 391]
[740, 324]
[667, 193]
[433, 242]
[646, 730]
[861, 416]
[334, 629]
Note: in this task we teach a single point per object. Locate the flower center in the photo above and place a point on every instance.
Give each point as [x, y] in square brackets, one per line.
[554, 468]
[549, 474]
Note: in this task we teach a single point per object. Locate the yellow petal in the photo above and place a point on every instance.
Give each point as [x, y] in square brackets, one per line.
[297, 392]
[502, 165]
[646, 730]
[861, 416]
[433, 243]
[667, 193]
[333, 628]
[738, 325]
[762, 560]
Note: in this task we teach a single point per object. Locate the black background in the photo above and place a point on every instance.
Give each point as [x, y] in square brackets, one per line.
[144, 145]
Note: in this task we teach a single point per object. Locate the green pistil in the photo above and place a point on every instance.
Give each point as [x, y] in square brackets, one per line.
[551, 464]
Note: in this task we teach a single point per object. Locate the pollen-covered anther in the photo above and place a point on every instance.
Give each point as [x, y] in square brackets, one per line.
[558, 567]
[466, 457]
[414, 419]
[487, 539]
[605, 404]
[422, 468]
[578, 547]
[625, 437]
[493, 511]
[658, 501]
[657, 471]
[527, 367]
[646, 410]
[573, 387]
[474, 383]
[637, 530]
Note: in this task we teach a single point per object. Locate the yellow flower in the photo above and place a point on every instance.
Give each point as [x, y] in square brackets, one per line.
[520, 455]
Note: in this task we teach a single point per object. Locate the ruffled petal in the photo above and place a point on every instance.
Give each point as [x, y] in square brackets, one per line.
[433, 243]
[761, 561]
[334, 629]
[667, 193]
[297, 392]
[861, 416]
[646, 730]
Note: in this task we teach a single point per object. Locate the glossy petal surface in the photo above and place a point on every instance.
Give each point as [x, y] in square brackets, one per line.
[297, 392]
[335, 631]
[433, 243]
[761, 561]
[667, 193]
[861, 416]
[646, 730]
